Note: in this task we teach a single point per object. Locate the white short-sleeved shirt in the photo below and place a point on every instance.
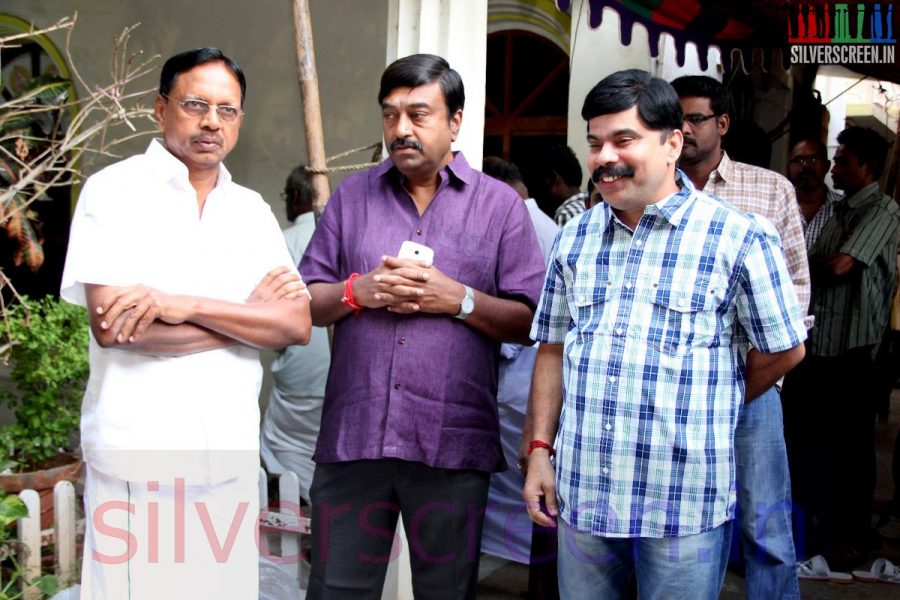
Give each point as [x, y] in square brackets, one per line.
[137, 221]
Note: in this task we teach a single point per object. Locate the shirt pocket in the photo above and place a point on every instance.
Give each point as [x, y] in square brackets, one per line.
[589, 303]
[469, 263]
[686, 317]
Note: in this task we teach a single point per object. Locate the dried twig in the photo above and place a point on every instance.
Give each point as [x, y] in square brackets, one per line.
[75, 132]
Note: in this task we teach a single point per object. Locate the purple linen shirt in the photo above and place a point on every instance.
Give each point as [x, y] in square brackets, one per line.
[420, 387]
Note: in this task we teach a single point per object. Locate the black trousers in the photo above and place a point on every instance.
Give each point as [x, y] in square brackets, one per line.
[829, 428]
[355, 506]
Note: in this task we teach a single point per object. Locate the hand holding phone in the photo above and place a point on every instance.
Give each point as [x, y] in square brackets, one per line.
[410, 250]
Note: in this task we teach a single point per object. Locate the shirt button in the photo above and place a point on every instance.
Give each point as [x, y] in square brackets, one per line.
[396, 386]
[620, 331]
[638, 243]
[605, 470]
[418, 232]
[612, 378]
[401, 341]
[627, 285]
[608, 426]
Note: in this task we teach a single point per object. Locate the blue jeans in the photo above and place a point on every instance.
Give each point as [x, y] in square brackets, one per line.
[689, 568]
[764, 500]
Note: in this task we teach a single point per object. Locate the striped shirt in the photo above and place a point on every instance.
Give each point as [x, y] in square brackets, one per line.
[653, 375]
[853, 311]
[765, 193]
[572, 207]
[813, 228]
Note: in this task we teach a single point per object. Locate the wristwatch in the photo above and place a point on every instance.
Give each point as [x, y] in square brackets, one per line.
[467, 304]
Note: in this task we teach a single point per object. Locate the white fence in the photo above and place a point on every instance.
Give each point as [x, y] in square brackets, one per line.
[62, 536]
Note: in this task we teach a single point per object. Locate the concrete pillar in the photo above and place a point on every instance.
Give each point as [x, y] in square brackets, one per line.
[458, 32]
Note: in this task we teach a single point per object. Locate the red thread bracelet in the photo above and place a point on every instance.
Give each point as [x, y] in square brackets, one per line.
[348, 297]
[540, 444]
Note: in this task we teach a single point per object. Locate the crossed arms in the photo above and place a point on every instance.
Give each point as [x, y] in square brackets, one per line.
[144, 320]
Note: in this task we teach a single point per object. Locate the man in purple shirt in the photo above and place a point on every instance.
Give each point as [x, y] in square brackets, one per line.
[409, 424]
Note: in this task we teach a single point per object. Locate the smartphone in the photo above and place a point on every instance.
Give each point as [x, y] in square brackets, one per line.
[413, 251]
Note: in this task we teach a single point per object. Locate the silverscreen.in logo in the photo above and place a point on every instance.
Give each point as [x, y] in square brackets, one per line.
[825, 33]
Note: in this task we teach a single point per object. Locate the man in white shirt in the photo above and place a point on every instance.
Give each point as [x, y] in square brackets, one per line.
[291, 423]
[507, 530]
[178, 312]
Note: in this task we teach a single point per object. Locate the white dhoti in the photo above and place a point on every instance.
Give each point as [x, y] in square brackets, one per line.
[170, 539]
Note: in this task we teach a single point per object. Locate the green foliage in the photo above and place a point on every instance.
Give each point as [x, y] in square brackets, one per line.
[49, 360]
[12, 509]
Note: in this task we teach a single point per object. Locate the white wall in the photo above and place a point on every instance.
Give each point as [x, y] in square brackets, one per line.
[596, 53]
[457, 31]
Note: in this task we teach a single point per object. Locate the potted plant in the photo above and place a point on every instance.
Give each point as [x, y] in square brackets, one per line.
[48, 359]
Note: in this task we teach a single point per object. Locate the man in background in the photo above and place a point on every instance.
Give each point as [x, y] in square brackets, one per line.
[507, 530]
[291, 423]
[763, 480]
[807, 167]
[830, 399]
[557, 180]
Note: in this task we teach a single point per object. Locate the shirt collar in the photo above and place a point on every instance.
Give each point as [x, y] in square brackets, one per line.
[725, 169]
[862, 195]
[832, 196]
[304, 218]
[459, 168]
[170, 168]
[672, 208]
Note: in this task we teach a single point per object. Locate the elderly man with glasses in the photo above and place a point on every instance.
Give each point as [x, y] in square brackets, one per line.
[178, 312]
[763, 480]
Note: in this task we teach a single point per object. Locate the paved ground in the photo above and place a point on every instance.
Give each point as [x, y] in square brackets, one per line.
[509, 581]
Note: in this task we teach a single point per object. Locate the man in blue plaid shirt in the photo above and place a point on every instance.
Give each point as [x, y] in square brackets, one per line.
[649, 302]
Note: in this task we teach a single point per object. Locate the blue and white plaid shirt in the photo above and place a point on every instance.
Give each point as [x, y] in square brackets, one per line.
[653, 323]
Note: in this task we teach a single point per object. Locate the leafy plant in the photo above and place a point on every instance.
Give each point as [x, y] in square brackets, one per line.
[47, 137]
[49, 365]
[11, 510]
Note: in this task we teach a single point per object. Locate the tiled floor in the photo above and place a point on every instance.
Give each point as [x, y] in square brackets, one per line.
[509, 581]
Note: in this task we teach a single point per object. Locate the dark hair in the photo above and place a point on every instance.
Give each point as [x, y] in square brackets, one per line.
[657, 104]
[701, 86]
[185, 61]
[867, 146]
[560, 159]
[422, 69]
[820, 148]
[505, 171]
[298, 182]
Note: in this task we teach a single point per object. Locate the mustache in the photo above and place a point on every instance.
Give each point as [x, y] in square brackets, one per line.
[406, 143]
[208, 137]
[613, 171]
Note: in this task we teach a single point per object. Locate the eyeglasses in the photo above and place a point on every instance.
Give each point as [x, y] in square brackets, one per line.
[200, 108]
[806, 160]
[696, 119]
